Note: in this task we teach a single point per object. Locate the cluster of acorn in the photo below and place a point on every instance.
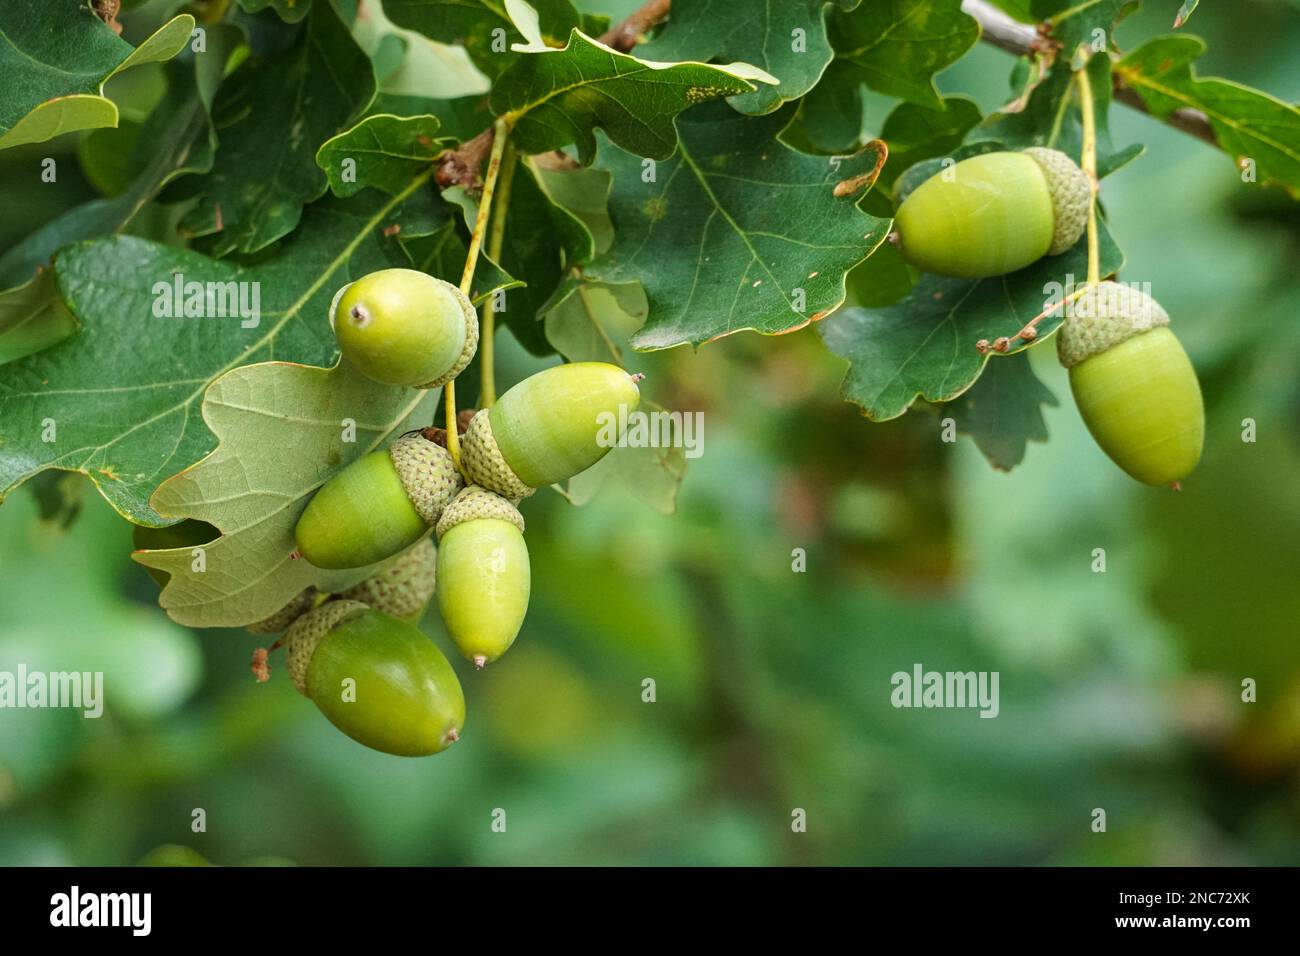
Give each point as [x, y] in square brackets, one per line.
[358, 655]
[1132, 382]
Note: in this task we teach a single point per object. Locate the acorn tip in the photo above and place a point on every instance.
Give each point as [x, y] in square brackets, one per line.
[453, 735]
[480, 661]
[1177, 486]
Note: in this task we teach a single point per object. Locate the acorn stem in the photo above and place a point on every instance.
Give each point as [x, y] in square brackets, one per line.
[487, 395]
[449, 412]
[501, 132]
[1030, 330]
[1088, 110]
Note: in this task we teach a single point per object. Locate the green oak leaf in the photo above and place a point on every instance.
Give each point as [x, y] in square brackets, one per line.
[924, 345]
[584, 192]
[459, 119]
[1051, 117]
[383, 152]
[32, 318]
[787, 38]
[882, 280]
[915, 133]
[1074, 23]
[124, 394]
[735, 232]
[1003, 410]
[254, 493]
[272, 115]
[1248, 124]
[291, 11]
[830, 117]
[897, 46]
[483, 27]
[593, 322]
[558, 97]
[106, 156]
[174, 141]
[389, 56]
[56, 56]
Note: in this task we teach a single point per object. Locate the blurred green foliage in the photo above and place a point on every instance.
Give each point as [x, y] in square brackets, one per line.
[1118, 690]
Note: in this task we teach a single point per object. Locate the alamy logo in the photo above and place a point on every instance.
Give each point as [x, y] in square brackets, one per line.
[74, 908]
[662, 429]
[79, 690]
[943, 689]
[179, 299]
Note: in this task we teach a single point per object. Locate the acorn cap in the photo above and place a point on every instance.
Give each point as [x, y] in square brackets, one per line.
[471, 337]
[1071, 194]
[427, 473]
[282, 618]
[405, 586]
[484, 464]
[476, 502]
[308, 631]
[1104, 316]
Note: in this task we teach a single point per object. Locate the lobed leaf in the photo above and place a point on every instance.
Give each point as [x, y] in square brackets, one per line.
[382, 152]
[559, 97]
[484, 27]
[897, 46]
[32, 319]
[735, 232]
[175, 140]
[56, 56]
[787, 38]
[254, 493]
[924, 346]
[1003, 410]
[1248, 124]
[125, 393]
[272, 116]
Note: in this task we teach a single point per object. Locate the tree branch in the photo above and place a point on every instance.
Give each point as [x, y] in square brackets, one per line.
[1006, 33]
[639, 22]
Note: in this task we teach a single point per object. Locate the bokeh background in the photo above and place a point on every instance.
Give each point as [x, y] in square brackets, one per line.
[1118, 690]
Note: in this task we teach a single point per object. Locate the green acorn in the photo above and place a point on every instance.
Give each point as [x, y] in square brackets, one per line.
[380, 504]
[995, 213]
[404, 588]
[403, 327]
[483, 573]
[378, 679]
[548, 428]
[1133, 383]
